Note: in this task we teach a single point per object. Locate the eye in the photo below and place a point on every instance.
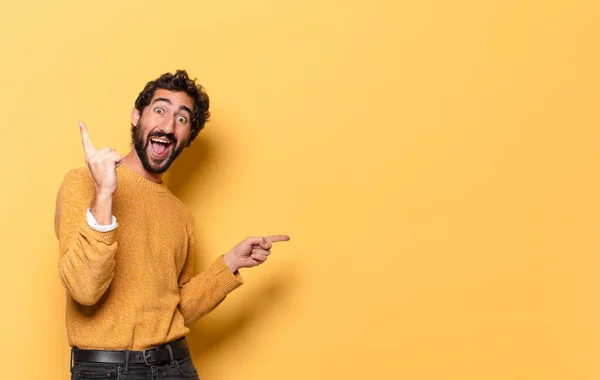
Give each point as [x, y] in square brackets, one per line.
[182, 119]
[159, 110]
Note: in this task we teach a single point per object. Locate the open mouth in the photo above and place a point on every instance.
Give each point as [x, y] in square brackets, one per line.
[160, 146]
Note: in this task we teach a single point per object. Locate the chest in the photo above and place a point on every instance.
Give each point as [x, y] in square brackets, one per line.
[152, 233]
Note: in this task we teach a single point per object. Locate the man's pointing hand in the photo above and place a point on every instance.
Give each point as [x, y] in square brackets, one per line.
[102, 164]
[252, 251]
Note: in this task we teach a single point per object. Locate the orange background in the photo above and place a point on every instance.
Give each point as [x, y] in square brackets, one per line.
[434, 162]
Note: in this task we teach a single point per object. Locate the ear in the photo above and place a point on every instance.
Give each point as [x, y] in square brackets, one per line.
[135, 116]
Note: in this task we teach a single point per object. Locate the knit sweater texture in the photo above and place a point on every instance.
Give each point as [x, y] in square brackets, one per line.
[133, 287]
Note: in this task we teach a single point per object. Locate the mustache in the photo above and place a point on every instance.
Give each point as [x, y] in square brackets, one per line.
[168, 136]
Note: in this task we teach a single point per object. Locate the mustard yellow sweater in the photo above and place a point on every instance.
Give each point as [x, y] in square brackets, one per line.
[133, 287]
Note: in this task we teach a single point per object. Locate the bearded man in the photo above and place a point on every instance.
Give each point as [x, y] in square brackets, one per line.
[127, 246]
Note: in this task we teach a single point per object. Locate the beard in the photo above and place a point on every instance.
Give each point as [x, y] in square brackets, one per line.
[141, 147]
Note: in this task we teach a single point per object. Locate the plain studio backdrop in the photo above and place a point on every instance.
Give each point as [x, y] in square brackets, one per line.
[435, 163]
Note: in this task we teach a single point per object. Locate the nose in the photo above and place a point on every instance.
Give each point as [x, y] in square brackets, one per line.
[168, 125]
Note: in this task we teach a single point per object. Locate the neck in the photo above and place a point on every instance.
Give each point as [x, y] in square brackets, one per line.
[133, 162]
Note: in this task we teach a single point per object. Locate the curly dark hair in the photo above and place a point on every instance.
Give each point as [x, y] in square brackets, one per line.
[180, 81]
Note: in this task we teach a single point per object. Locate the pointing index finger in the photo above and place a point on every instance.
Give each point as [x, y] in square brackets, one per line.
[276, 238]
[88, 147]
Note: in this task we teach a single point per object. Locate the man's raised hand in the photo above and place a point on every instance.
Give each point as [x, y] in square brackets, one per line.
[252, 251]
[102, 164]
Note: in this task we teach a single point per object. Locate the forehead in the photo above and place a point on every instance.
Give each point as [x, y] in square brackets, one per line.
[177, 98]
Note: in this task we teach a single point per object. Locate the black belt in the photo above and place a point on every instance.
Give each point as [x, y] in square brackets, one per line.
[149, 356]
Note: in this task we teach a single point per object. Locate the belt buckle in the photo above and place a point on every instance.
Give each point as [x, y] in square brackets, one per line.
[146, 357]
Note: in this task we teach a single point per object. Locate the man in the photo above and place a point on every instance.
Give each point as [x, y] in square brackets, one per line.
[127, 246]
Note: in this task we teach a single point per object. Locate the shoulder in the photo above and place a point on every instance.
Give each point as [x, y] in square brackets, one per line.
[77, 182]
[81, 174]
[182, 209]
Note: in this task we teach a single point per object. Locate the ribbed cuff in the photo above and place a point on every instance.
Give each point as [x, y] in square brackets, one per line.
[228, 281]
[108, 238]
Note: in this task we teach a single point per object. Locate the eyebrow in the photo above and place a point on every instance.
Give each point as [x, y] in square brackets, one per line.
[185, 108]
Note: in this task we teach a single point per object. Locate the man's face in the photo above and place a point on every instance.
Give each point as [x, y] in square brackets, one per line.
[162, 130]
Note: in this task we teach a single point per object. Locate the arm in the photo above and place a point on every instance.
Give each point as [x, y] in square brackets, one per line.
[202, 293]
[87, 257]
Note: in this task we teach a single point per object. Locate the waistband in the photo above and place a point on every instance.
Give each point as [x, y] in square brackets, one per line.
[175, 350]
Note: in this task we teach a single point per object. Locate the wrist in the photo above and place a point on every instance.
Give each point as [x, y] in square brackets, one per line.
[103, 195]
[231, 262]
[101, 208]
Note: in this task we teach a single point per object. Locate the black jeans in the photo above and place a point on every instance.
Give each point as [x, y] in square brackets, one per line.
[175, 370]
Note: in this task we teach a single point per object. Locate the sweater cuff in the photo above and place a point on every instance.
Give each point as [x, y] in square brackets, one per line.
[99, 227]
[228, 281]
[104, 237]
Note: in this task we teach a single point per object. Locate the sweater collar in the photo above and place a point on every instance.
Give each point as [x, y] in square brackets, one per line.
[128, 173]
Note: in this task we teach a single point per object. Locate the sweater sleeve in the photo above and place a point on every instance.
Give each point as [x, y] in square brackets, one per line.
[86, 257]
[202, 293]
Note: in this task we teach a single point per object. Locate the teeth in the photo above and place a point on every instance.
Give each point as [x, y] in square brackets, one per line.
[160, 141]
